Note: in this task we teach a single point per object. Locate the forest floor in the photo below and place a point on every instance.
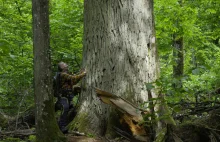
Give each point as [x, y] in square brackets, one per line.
[83, 139]
[72, 138]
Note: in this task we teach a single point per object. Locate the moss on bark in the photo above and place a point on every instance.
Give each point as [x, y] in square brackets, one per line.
[80, 122]
[47, 128]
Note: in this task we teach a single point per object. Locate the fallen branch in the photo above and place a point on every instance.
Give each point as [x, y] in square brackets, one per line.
[76, 133]
[18, 133]
[194, 108]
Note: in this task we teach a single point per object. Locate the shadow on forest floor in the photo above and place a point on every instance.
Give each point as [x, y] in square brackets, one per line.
[72, 138]
[82, 139]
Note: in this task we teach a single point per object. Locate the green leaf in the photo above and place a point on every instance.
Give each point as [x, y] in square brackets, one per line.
[149, 86]
[196, 71]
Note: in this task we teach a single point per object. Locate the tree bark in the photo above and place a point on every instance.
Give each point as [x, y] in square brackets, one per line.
[119, 55]
[178, 56]
[46, 126]
[178, 53]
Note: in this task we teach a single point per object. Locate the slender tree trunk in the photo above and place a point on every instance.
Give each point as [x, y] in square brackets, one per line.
[178, 57]
[46, 126]
[178, 53]
[120, 56]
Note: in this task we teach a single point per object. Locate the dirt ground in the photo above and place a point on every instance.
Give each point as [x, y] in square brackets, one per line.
[72, 138]
[83, 139]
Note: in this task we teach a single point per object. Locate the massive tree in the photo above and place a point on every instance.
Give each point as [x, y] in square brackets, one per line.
[46, 126]
[120, 56]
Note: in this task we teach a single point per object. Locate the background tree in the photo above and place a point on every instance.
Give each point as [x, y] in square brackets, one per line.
[119, 55]
[200, 49]
[16, 48]
[178, 50]
[46, 125]
[200, 30]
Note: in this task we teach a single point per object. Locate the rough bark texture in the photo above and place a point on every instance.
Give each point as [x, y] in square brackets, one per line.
[120, 56]
[46, 125]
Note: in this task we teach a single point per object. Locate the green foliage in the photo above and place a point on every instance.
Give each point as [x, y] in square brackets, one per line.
[66, 32]
[90, 135]
[12, 140]
[197, 22]
[16, 53]
[32, 138]
[16, 47]
[3, 121]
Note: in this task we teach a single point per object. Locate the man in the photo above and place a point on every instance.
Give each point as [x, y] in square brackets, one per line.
[66, 82]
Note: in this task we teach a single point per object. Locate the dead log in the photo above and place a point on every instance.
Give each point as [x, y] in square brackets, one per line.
[17, 133]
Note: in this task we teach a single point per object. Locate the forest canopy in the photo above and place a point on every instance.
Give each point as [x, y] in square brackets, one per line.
[193, 25]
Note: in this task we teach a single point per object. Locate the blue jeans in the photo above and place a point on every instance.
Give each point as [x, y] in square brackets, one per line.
[65, 107]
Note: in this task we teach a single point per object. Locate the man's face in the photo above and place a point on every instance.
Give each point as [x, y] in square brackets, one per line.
[65, 67]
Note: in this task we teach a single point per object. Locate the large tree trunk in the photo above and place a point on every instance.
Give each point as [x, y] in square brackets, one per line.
[46, 126]
[120, 56]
